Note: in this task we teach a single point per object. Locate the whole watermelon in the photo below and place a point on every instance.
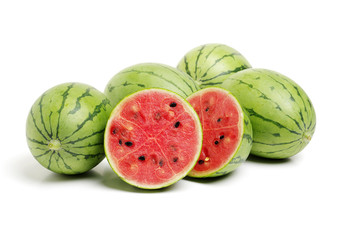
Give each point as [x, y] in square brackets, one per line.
[281, 113]
[210, 64]
[65, 128]
[148, 75]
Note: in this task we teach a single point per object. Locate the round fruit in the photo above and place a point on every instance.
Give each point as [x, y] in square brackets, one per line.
[153, 138]
[282, 115]
[227, 132]
[65, 128]
[148, 75]
[210, 64]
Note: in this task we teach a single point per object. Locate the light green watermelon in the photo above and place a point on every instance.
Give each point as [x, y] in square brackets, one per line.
[281, 113]
[65, 128]
[210, 64]
[148, 75]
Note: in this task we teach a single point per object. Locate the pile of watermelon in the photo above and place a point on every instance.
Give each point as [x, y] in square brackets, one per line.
[157, 124]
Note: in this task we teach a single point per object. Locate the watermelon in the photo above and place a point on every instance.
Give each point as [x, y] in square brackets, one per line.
[65, 128]
[153, 138]
[148, 75]
[211, 63]
[281, 113]
[227, 132]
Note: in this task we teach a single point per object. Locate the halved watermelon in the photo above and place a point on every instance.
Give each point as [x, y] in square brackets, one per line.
[227, 132]
[153, 138]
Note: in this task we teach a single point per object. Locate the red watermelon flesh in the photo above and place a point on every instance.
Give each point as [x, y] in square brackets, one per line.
[153, 138]
[222, 122]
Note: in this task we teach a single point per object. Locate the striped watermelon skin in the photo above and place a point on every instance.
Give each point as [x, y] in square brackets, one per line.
[148, 75]
[211, 63]
[282, 115]
[65, 128]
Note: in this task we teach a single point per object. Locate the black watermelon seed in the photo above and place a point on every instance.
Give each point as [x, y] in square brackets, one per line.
[207, 109]
[219, 120]
[114, 131]
[120, 142]
[161, 163]
[216, 142]
[177, 124]
[129, 144]
[175, 159]
[200, 161]
[221, 137]
[173, 104]
[142, 158]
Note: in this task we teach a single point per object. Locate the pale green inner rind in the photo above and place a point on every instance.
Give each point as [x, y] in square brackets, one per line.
[176, 177]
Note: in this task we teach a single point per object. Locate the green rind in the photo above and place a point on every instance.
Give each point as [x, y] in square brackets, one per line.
[210, 64]
[166, 184]
[75, 114]
[281, 113]
[145, 76]
[243, 150]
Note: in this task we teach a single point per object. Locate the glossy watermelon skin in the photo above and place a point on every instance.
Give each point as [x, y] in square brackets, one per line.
[148, 75]
[210, 64]
[282, 115]
[65, 128]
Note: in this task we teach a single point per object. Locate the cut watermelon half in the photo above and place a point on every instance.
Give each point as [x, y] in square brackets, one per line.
[227, 132]
[153, 138]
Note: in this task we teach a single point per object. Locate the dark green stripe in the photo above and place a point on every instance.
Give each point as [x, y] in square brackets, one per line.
[291, 96]
[43, 154]
[85, 137]
[64, 95]
[248, 137]
[35, 124]
[66, 166]
[187, 66]
[278, 144]
[181, 77]
[281, 150]
[89, 145]
[217, 61]
[50, 160]
[156, 75]
[265, 97]
[86, 156]
[211, 84]
[36, 141]
[208, 55]
[77, 107]
[97, 110]
[255, 114]
[197, 59]
[242, 67]
[41, 116]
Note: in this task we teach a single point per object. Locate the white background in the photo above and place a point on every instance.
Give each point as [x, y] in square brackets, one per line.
[45, 43]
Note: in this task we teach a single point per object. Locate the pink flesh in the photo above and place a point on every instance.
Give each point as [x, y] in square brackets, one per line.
[220, 118]
[148, 122]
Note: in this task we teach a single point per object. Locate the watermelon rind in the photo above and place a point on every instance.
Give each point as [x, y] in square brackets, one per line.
[174, 180]
[210, 64]
[65, 128]
[242, 152]
[282, 115]
[148, 75]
